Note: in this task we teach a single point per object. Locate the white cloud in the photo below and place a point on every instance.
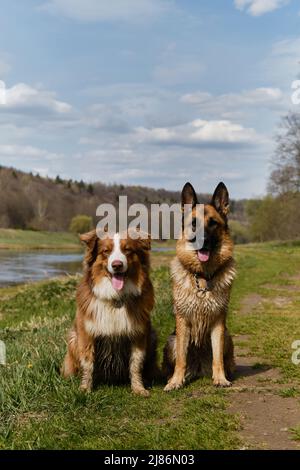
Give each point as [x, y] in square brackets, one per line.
[141, 104]
[221, 131]
[259, 7]
[104, 10]
[171, 166]
[103, 117]
[22, 96]
[236, 104]
[282, 65]
[200, 133]
[27, 151]
[12, 132]
[264, 95]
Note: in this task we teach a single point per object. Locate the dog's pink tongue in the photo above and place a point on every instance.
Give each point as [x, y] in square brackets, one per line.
[203, 256]
[117, 281]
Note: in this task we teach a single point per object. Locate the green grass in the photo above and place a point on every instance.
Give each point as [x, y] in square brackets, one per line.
[38, 409]
[31, 240]
[272, 328]
[41, 410]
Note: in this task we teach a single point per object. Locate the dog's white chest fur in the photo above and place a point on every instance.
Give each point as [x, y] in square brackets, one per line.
[109, 315]
[107, 320]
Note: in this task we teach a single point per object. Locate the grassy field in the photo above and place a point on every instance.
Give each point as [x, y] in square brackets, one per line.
[38, 240]
[38, 409]
[32, 240]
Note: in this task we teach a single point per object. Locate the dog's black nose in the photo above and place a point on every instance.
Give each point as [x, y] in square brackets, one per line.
[117, 264]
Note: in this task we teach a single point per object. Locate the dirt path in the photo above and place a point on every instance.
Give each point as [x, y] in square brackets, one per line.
[266, 416]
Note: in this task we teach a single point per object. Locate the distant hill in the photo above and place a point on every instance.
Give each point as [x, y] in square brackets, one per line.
[30, 201]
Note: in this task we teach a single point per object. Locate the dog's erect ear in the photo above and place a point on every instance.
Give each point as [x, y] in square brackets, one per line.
[220, 199]
[188, 195]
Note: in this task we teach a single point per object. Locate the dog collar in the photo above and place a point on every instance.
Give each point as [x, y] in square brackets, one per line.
[205, 284]
[202, 284]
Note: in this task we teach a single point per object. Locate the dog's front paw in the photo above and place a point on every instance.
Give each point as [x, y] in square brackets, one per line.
[173, 385]
[85, 388]
[142, 392]
[221, 382]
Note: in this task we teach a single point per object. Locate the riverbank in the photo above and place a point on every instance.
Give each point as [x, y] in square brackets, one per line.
[29, 256]
[14, 239]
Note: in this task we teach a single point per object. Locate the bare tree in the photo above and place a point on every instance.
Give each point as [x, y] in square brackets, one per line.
[286, 174]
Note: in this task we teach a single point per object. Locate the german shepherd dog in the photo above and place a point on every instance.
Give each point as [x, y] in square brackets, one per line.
[202, 280]
[112, 339]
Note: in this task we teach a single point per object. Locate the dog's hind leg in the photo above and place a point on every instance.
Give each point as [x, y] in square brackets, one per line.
[169, 357]
[151, 371]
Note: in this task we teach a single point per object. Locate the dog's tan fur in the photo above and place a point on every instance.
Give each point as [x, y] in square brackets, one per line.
[112, 338]
[202, 343]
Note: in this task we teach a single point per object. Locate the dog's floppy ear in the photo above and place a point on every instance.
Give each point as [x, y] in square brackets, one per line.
[143, 246]
[90, 240]
[143, 238]
[220, 199]
[188, 195]
[145, 241]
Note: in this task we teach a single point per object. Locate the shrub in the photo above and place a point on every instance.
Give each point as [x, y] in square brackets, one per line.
[81, 224]
[274, 218]
[240, 233]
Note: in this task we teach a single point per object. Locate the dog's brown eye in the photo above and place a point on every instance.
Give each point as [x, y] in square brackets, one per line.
[212, 223]
[127, 251]
[105, 252]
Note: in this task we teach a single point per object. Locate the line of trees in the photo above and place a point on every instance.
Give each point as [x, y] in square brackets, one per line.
[276, 216]
[33, 202]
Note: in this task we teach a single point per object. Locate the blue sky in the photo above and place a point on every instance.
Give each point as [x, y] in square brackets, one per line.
[150, 92]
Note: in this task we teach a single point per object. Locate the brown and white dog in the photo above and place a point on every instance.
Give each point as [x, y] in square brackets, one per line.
[202, 280]
[112, 340]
